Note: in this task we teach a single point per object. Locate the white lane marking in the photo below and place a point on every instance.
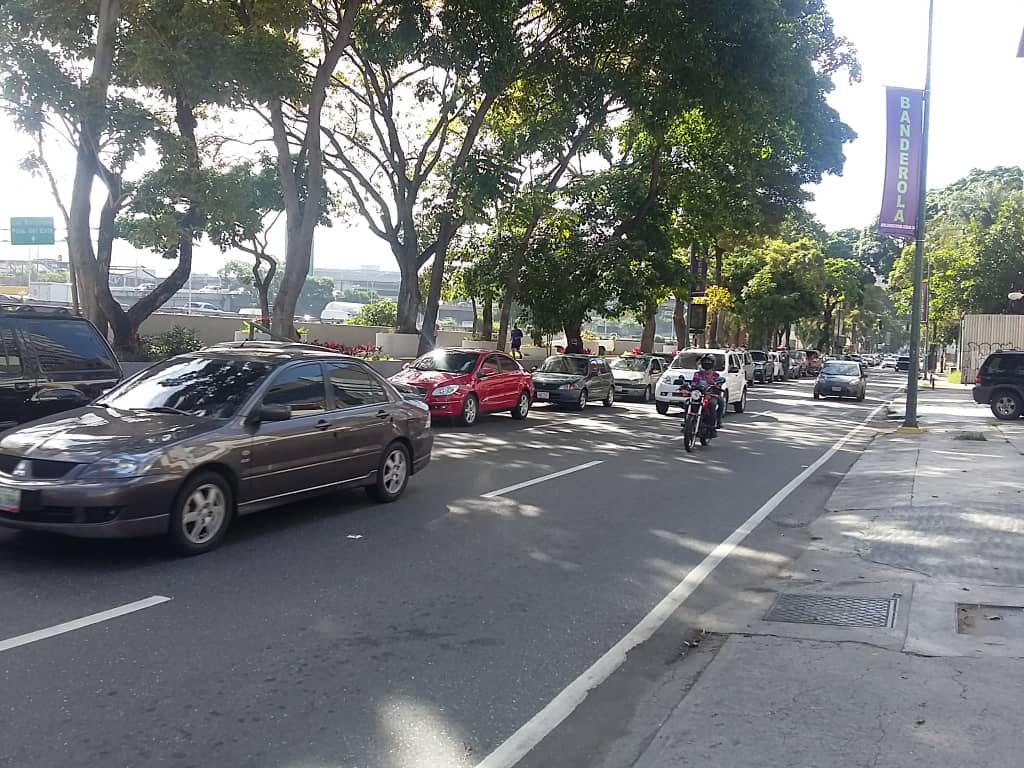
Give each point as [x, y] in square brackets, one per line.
[545, 478]
[85, 621]
[519, 744]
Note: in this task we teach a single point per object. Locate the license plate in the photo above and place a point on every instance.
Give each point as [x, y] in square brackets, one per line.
[837, 389]
[543, 395]
[10, 500]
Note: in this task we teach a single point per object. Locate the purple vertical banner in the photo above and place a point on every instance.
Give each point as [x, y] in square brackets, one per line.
[904, 117]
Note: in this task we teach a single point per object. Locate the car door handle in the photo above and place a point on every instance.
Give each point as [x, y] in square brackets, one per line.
[382, 414]
[22, 387]
[323, 424]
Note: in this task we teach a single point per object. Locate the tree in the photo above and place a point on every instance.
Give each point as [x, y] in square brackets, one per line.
[381, 314]
[360, 295]
[843, 285]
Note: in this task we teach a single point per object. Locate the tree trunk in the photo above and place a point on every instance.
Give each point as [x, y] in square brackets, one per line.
[574, 339]
[487, 331]
[476, 317]
[679, 322]
[408, 293]
[302, 191]
[650, 329]
[262, 285]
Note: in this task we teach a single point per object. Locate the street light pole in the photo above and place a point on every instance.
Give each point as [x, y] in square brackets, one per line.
[910, 417]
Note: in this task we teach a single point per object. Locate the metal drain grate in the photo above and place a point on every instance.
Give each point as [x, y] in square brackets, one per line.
[834, 610]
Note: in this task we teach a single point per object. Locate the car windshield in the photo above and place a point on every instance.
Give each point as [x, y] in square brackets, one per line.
[200, 386]
[571, 366]
[630, 364]
[690, 361]
[833, 368]
[447, 362]
[759, 357]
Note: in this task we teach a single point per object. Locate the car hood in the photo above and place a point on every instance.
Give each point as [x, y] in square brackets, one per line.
[556, 378]
[88, 434]
[429, 379]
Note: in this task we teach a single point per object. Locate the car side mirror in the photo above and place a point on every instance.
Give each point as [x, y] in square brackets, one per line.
[734, 369]
[533, 368]
[270, 412]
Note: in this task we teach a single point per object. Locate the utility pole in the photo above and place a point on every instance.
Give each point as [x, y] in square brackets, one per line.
[910, 417]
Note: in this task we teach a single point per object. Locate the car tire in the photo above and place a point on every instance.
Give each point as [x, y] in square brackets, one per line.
[648, 394]
[741, 405]
[661, 408]
[582, 404]
[470, 411]
[522, 409]
[1006, 405]
[817, 396]
[201, 514]
[392, 474]
[609, 401]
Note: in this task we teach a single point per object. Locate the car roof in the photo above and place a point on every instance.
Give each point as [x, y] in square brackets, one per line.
[278, 352]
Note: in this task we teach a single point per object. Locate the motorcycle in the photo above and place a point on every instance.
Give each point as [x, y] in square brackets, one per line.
[699, 416]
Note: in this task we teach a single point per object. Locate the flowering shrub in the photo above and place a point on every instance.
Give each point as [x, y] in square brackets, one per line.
[365, 351]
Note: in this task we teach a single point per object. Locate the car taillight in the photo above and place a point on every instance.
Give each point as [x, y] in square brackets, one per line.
[977, 378]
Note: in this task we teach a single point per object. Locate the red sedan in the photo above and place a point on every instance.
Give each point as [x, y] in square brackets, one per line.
[463, 383]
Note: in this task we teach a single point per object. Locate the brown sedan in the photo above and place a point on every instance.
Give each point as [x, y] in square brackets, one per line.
[182, 447]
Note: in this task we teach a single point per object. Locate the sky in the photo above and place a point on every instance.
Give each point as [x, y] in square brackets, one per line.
[977, 122]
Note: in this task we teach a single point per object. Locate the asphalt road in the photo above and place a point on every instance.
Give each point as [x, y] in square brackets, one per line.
[421, 634]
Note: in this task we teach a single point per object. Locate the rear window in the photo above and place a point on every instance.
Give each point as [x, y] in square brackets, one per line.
[63, 346]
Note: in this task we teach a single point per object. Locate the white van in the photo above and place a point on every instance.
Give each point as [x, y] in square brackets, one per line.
[340, 311]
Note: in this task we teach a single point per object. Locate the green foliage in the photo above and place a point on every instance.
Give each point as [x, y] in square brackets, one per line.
[177, 341]
[316, 294]
[382, 314]
[360, 295]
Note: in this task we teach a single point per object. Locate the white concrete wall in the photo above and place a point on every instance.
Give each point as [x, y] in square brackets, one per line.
[213, 330]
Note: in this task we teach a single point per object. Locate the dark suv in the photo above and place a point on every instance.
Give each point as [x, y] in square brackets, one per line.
[50, 361]
[1000, 384]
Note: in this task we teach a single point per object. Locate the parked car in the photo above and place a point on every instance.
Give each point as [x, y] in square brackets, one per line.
[574, 380]
[813, 362]
[841, 378]
[1000, 384]
[637, 375]
[50, 361]
[797, 364]
[903, 364]
[764, 366]
[889, 363]
[464, 383]
[778, 369]
[749, 369]
[181, 448]
[727, 362]
[201, 307]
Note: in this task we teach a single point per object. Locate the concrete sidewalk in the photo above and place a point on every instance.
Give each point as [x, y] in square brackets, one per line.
[897, 638]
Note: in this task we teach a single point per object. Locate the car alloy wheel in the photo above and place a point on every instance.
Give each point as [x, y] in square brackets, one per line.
[392, 474]
[522, 409]
[1006, 406]
[583, 400]
[470, 411]
[201, 514]
[204, 514]
[609, 401]
[742, 404]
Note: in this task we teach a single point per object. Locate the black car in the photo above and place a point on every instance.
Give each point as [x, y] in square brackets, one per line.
[764, 367]
[841, 378]
[903, 364]
[50, 361]
[1000, 384]
[574, 380]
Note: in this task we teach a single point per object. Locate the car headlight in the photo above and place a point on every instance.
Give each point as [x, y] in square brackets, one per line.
[568, 386]
[448, 389]
[116, 466]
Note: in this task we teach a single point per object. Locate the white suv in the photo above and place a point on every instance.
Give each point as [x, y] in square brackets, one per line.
[727, 362]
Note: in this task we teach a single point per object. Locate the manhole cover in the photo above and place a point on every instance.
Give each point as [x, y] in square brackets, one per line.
[834, 610]
[990, 620]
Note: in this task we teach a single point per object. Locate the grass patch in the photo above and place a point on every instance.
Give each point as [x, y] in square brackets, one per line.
[954, 377]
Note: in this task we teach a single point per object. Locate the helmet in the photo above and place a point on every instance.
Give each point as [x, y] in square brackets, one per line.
[707, 363]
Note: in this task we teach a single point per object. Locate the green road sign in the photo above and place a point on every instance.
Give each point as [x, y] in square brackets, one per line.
[32, 230]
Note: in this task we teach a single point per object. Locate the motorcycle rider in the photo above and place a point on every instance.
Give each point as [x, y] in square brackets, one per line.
[706, 377]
